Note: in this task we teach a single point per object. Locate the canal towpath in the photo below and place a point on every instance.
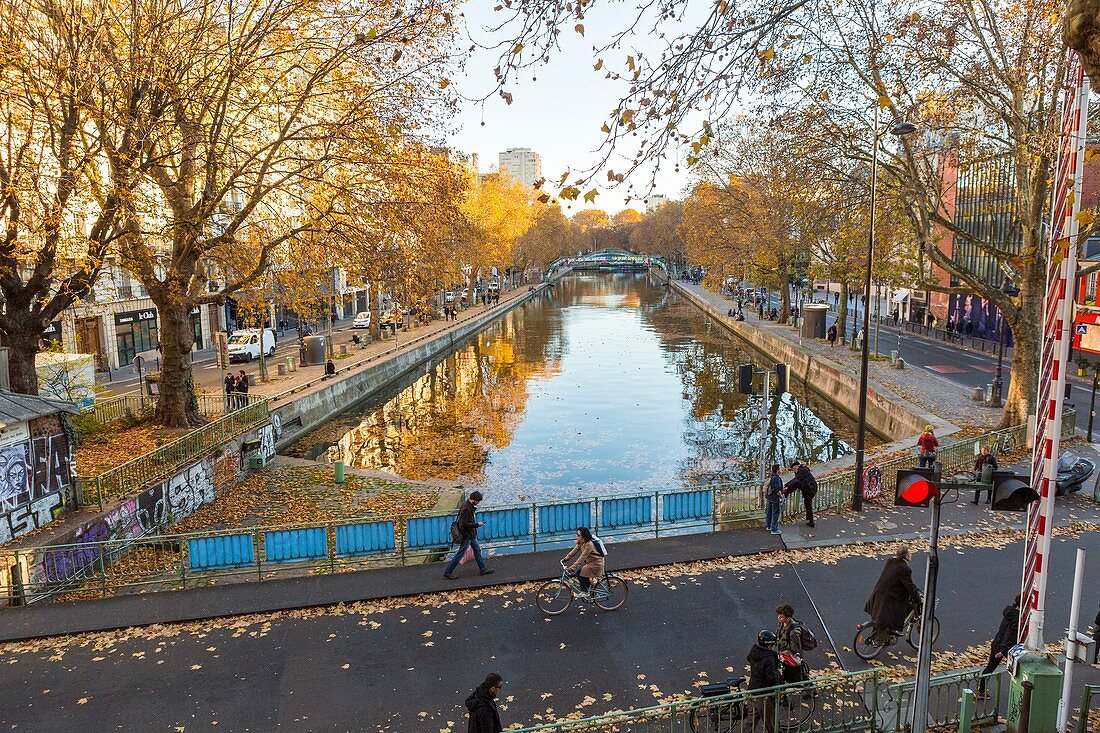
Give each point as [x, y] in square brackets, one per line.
[879, 523]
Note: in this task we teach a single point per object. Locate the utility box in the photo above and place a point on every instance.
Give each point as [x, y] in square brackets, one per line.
[1047, 678]
[813, 320]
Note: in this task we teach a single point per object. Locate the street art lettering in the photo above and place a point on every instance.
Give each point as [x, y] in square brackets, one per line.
[36, 484]
[166, 503]
[267, 442]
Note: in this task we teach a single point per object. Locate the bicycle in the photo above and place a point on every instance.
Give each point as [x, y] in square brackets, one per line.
[1003, 445]
[555, 596]
[793, 708]
[868, 644]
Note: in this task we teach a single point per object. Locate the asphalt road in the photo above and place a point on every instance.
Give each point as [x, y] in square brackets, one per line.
[408, 668]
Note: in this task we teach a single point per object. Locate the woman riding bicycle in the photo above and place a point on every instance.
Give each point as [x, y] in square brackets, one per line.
[589, 565]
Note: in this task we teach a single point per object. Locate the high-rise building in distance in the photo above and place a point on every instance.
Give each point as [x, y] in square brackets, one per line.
[522, 164]
[654, 202]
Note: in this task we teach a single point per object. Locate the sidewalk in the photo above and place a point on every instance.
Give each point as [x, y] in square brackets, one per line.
[930, 392]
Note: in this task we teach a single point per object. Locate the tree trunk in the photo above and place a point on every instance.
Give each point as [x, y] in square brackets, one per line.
[784, 298]
[177, 406]
[1027, 338]
[24, 342]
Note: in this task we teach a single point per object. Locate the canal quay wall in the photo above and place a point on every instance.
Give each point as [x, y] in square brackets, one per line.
[311, 409]
[888, 414]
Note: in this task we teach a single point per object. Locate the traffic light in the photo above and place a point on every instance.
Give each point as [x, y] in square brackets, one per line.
[915, 487]
[744, 379]
[781, 378]
[1011, 492]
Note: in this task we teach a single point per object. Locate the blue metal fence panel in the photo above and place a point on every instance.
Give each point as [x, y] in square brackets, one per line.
[505, 524]
[429, 531]
[559, 518]
[688, 505]
[627, 511]
[365, 538]
[294, 545]
[221, 552]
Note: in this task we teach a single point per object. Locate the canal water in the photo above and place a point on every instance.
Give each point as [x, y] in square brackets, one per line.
[606, 383]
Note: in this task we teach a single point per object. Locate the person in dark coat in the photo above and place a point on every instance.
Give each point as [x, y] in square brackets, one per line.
[1096, 627]
[482, 706]
[467, 527]
[230, 391]
[242, 389]
[1004, 640]
[804, 482]
[763, 673]
[893, 595]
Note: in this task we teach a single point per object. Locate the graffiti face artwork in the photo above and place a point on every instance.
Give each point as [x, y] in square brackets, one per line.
[36, 484]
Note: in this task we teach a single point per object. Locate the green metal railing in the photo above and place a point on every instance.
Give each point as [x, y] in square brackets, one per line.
[113, 409]
[158, 464]
[945, 694]
[1087, 717]
[841, 702]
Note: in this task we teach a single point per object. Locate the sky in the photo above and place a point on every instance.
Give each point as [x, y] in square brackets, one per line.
[557, 109]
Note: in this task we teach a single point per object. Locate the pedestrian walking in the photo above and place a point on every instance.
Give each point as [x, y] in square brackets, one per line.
[805, 482]
[242, 389]
[764, 673]
[895, 315]
[481, 706]
[830, 335]
[774, 498]
[793, 667]
[1002, 642]
[927, 444]
[467, 531]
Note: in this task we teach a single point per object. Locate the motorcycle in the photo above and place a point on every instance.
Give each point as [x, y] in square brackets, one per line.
[1073, 471]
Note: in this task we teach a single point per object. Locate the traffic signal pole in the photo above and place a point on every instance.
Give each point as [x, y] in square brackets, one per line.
[928, 613]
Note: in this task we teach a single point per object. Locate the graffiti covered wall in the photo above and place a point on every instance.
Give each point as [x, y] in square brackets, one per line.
[164, 504]
[36, 477]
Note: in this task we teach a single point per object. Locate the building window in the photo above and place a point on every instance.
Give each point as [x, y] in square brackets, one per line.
[196, 327]
[1090, 288]
[136, 332]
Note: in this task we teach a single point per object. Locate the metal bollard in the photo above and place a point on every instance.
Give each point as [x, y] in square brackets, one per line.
[966, 710]
[338, 471]
[1025, 708]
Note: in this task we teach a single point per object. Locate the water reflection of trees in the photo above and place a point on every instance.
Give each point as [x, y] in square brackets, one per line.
[446, 421]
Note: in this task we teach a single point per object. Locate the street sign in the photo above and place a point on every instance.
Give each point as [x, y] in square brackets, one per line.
[1081, 329]
[221, 350]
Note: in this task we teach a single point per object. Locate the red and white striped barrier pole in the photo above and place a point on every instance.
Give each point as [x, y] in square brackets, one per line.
[1056, 339]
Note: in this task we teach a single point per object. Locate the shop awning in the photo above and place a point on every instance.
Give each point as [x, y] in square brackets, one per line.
[900, 296]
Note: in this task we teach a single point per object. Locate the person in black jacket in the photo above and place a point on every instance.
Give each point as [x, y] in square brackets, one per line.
[764, 673]
[482, 706]
[1004, 640]
[893, 596]
[1096, 633]
[467, 527]
[805, 482]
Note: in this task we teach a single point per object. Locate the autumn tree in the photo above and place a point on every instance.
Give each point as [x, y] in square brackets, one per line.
[497, 211]
[235, 118]
[658, 232]
[550, 237]
[58, 212]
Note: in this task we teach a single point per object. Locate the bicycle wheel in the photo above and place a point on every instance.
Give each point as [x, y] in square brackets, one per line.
[553, 597]
[913, 637]
[616, 590]
[863, 645]
[1008, 444]
[795, 708]
[720, 718]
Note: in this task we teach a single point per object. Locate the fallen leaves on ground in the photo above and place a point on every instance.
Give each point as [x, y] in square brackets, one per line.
[105, 449]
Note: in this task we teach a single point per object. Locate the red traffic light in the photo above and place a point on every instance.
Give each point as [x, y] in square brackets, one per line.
[915, 488]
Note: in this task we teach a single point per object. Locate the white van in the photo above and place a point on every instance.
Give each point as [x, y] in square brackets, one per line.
[244, 345]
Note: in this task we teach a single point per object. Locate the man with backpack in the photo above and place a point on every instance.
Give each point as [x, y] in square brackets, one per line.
[464, 532]
[794, 641]
[805, 482]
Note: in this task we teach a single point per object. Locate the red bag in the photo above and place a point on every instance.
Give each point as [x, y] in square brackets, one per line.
[468, 557]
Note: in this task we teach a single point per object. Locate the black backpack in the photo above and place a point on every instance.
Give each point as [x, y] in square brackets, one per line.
[456, 535]
[809, 641]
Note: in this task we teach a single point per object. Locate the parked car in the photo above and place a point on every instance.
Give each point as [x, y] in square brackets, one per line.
[449, 297]
[494, 288]
[362, 320]
[244, 345]
[393, 315]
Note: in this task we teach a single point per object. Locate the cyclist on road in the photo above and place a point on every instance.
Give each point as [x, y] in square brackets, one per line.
[893, 597]
[764, 673]
[589, 565]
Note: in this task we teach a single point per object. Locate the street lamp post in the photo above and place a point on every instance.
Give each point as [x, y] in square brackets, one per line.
[899, 129]
[1010, 290]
